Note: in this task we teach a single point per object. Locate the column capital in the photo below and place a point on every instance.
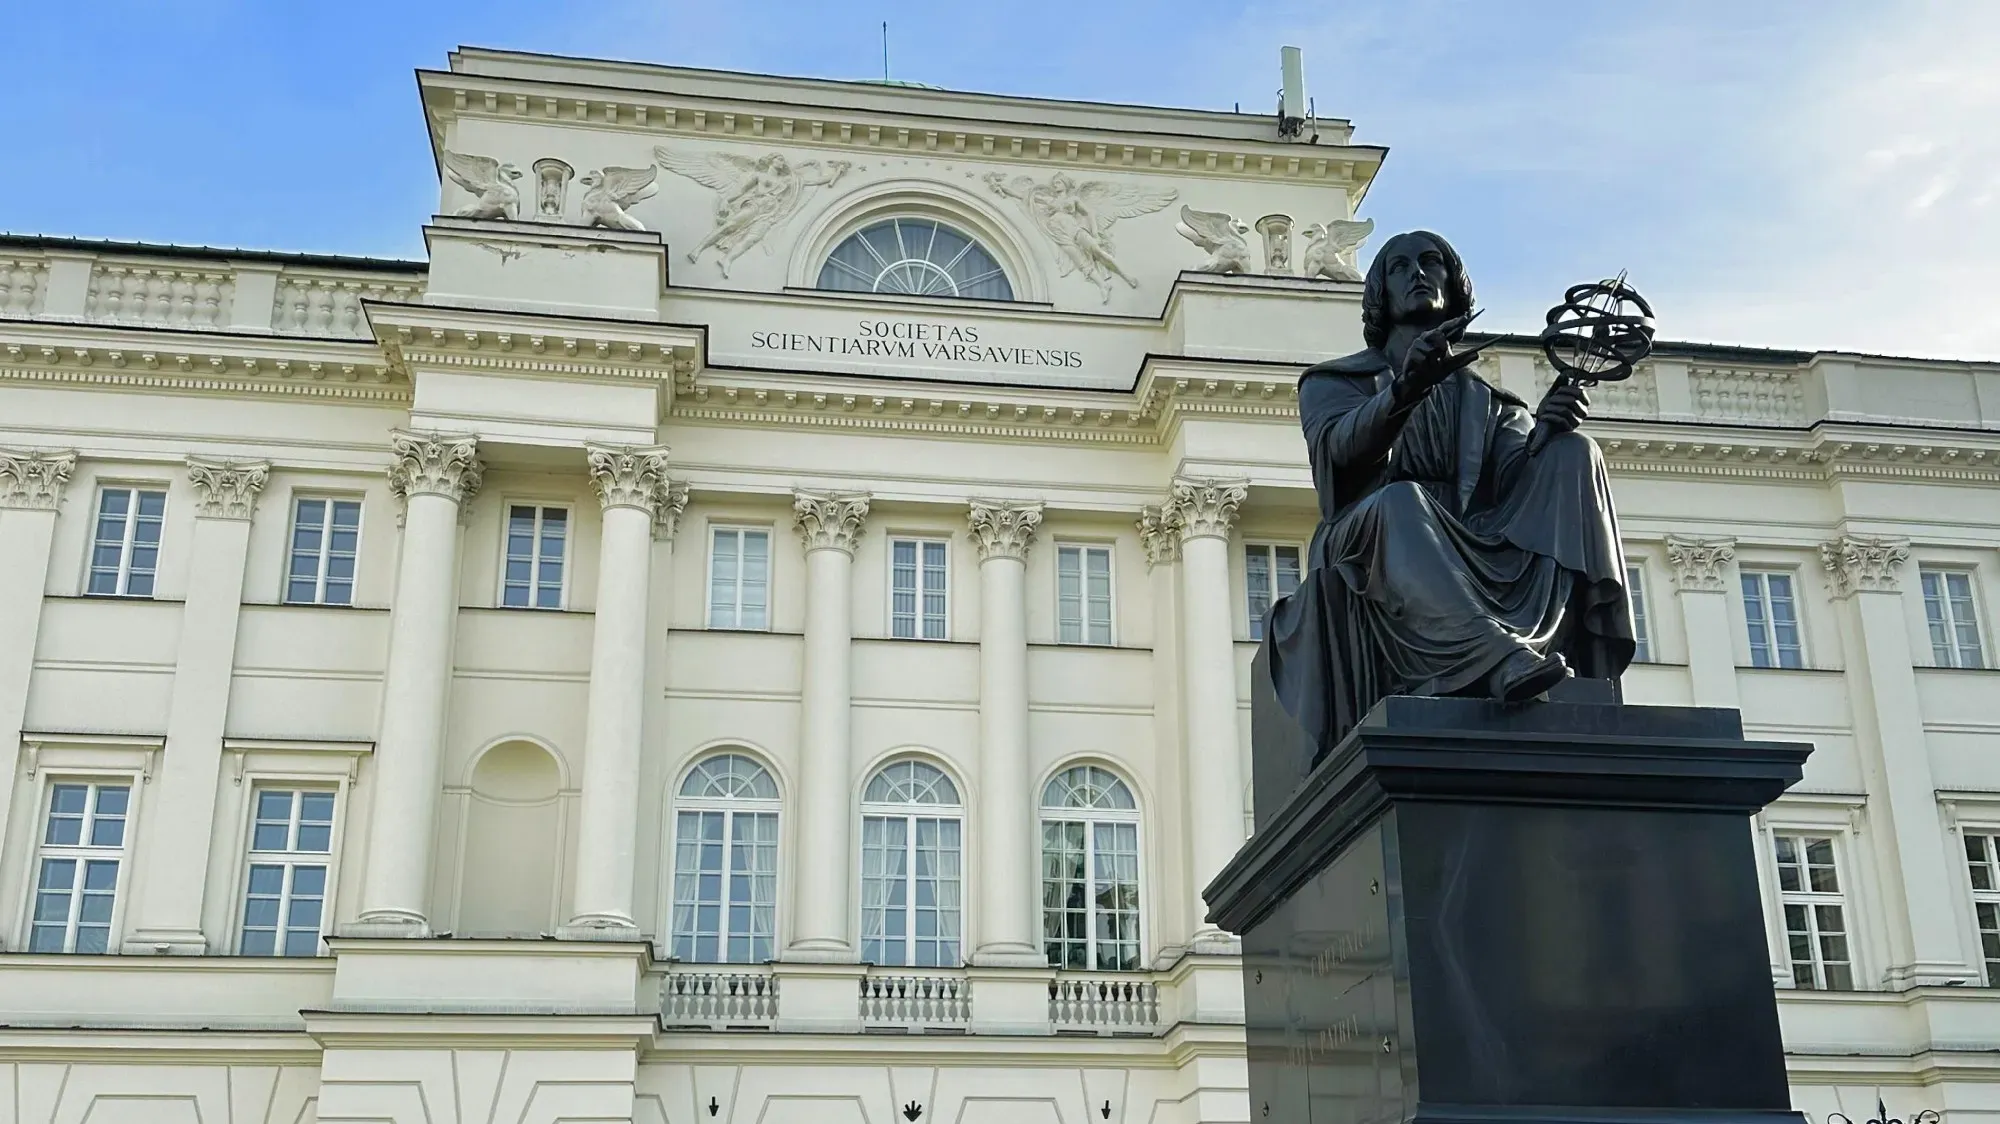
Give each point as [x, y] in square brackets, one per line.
[1205, 507]
[829, 520]
[1699, 564]
[436, 464]
[1160, 535]
[673, 499]
[628, 476]
[34, 480]
[1004, 528]
[1864, 563]
[226, 489]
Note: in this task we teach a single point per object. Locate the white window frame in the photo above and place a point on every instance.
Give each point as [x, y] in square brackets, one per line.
[1090, 818]
[542, 507]
[1084, 548]
[1985, 826]
[889, 603]
[290, 860]
[729, 807]
[326, 551]
[253, 764]
[1841, 898]
[1770, 629]
[910, 814]
[708, 577]
[1955, 655]
[124, 579]
[1253, 622]
[117, 759]
[1648, 648]
[82, 853]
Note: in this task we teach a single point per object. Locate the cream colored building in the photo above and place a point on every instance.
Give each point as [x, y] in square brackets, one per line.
[784, 573]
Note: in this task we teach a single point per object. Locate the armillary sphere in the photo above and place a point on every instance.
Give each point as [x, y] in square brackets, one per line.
[1599, 332]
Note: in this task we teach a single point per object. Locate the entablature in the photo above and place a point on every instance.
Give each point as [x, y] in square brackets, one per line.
[154, 360]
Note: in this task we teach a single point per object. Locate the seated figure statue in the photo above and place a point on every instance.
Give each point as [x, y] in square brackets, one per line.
[1449, 560]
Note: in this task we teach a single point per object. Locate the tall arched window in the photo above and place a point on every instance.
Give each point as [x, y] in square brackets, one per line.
[911, 886]
[725, 862]
[917, 257]
[1090, 871]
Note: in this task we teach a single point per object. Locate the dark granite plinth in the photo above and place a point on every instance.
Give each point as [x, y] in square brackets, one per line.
[1471, 912]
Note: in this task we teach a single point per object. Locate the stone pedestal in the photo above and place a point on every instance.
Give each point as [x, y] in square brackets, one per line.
[1476, 912]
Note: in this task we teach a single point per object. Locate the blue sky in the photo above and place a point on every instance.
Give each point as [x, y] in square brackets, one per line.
[1818, 174]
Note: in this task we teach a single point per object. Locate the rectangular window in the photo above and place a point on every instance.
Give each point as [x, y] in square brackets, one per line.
[126, 550]
[1269, 572]
[910, 891]
[1090, 894]
[76, 883]
[1083, 594]
[325, 535]
[917, 578]
[1815, 913]
[1771, 611]
[1982, 860]
[739, 578]
[284, 900]
[725, 886]
[1642, 628]
[1954, 624]
[536, 541]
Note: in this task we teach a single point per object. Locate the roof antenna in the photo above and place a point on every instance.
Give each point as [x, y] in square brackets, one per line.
[885, 52]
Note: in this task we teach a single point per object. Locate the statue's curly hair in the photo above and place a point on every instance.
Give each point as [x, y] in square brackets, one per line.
[1374, 290]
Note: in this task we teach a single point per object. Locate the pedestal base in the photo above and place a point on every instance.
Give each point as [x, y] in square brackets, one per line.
[1471, 912]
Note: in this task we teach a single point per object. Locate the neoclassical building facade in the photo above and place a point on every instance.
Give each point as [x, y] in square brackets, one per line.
[756, 627]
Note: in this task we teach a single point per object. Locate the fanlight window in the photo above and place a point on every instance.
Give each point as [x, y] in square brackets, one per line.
[725, 862]
[915, 257]
[911, 856]
[1090, 871]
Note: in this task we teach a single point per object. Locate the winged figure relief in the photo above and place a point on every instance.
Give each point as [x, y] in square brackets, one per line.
[614, 189]
[1078, 217]
[1223, 236]
[1331, 247]
[491, 183]
[754, 195]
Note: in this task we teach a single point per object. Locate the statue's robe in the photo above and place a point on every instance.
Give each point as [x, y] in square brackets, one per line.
[1442, 548]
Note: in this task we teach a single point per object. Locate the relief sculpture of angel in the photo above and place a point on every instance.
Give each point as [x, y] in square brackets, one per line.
[1078, 217]
[755, 195]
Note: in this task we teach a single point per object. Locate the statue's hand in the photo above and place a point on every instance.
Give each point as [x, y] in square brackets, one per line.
[1564, 407]
[1428, 360]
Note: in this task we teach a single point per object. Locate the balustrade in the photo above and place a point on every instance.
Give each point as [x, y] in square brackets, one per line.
[916, 1001]
[165, 295]
[23, 281]
[1773, 397]
[1104, 1003]
[329, 305]
[718, 998]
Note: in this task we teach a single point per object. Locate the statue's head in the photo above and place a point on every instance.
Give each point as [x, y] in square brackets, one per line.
[1416, 277]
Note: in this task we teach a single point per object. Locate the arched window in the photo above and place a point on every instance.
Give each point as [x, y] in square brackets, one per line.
[915, 256]
[1090, 871]
[725, 862]
[911, 886]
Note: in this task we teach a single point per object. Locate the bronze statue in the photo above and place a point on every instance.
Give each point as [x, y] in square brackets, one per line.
[1453, 556]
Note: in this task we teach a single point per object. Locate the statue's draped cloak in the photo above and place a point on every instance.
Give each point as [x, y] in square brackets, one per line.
[1442, 548]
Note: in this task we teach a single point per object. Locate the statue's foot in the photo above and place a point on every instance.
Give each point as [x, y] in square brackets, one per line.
[1524, 675]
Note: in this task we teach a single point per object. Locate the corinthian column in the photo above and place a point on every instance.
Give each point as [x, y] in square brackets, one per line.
[174, 837]
[1007, 884]
[1204, 511]
[830, 524]
[1701, 582]
[631, 487]
[1866, 574]
[31, 488]
[432, 474]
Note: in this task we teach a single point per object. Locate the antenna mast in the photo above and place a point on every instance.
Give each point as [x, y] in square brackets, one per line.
[885, 50]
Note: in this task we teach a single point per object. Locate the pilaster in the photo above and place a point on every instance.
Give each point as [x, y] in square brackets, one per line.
[1002, 532]
[171, 862]
[1203, 512]
[31, 490]
[829, 525]
[1865, 580]
[1701, 581]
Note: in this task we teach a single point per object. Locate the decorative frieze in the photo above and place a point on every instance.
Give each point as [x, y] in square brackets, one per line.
[436, 464]
[628, 476]
[1205, 507]
[226, 489]
[1159, 536]
[673, 500]
[1004, 529]
[1864, 563]
[830, 520]
[1700, 565]
[34, 480]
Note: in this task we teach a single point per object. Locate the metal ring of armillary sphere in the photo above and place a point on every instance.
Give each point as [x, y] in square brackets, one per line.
[1599, 332]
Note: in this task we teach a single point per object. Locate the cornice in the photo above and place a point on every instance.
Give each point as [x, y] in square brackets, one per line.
[530, 344]
[151, 360]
